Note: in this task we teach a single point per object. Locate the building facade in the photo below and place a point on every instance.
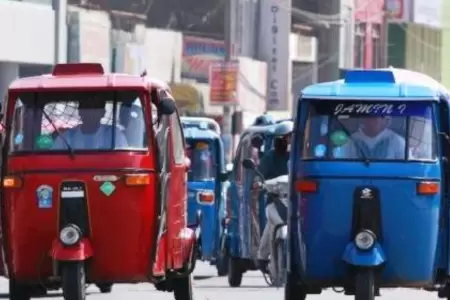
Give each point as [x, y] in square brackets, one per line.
[368, 33]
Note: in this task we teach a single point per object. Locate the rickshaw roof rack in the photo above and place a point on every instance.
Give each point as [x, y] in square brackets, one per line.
[389, 83]
[78, 69]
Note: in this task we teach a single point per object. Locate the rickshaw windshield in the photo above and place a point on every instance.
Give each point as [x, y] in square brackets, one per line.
[62, 121]
[375, 131]
[203, 158]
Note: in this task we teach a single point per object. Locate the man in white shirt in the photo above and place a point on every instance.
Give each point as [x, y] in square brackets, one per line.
[375, 141]
[91, 134]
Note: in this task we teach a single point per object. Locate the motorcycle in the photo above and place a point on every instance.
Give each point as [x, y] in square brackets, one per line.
[276, 191]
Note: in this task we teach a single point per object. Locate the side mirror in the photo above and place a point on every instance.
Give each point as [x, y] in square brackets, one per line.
[224, 176]
[249, 164]
[166, 106]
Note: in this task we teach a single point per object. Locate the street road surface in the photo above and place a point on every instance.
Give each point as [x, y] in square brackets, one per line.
[207, 286]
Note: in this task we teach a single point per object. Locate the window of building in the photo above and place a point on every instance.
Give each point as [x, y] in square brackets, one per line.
[359, 45]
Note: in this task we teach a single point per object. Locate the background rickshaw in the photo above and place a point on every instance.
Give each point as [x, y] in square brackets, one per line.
[207, 188]
[93, 202]
[245, 206]
[369, 186]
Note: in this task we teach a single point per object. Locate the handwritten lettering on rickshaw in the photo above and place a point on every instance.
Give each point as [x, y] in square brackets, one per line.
[382, 109]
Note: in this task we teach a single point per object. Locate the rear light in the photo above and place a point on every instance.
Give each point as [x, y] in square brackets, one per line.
[305, 186]
[206, 198]
[137, 179]
[428, 188]
[12, 182]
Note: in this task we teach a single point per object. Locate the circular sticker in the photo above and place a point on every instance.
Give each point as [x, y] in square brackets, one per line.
[44, 141]
[339, 138]
[320, 150]
[18, 139]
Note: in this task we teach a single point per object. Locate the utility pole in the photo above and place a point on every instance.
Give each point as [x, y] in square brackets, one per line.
[60, 11]
[228, 109]
[384, 36]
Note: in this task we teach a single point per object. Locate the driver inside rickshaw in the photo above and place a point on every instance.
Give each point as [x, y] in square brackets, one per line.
[202, 161]
[374, 140]
[91, 133]
[274, 164]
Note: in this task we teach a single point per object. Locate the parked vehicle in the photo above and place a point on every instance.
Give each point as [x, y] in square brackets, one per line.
[93, 202]
[369, 201]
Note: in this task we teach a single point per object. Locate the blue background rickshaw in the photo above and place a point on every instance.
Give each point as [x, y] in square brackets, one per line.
[207, 186]
[370, 209]
[246, 204]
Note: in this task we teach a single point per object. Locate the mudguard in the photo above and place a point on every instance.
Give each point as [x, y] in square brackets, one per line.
[370, 258]
[79, 252]
[281, 232]
[188, 241]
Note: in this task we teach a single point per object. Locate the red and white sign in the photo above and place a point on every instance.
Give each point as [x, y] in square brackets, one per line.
[223, 82]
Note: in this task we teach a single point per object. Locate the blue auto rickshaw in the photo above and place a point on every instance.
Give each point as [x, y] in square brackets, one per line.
[246, 204]
[369, 186]
[207, 186]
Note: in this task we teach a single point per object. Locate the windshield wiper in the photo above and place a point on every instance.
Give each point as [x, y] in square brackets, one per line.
[357, 146]
[69, 148]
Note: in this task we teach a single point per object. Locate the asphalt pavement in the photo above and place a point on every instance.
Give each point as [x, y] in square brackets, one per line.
[207, 286]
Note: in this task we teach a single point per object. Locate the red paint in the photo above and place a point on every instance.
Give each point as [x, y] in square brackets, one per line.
[122, 225]
[81, 251]
[369, 12]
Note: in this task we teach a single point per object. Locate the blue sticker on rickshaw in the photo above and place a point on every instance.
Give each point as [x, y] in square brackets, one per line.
[320, 150]
[18, 139]
[45, 196]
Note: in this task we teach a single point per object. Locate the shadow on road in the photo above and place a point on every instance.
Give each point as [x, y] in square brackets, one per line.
[202, 277]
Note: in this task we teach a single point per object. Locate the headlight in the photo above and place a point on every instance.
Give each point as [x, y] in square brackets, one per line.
[365, 240]
[70, 235]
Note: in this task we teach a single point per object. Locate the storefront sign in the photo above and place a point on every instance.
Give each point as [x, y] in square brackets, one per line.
[274, 49]
[428, 12]
[198, 54]
[223, 82]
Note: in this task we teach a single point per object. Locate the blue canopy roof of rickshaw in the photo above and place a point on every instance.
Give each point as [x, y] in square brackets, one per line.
[200, 133]
[378, 84]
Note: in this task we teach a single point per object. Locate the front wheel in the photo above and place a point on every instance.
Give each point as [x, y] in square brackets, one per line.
[293, 289]
[234, 272]
[182, 288]
[105, 288]
[365, 285]
[18, 291]
[280, 264]
[73, 281]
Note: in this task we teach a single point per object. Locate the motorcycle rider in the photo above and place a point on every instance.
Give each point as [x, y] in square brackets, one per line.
[274, 164]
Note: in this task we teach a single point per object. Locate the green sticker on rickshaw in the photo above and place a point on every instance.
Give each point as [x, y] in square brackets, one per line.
[339, 138]
[44, 141]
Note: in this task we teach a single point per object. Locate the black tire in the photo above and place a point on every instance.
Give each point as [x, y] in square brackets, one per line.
[234, 272]
[222, 266]
[73, 281]
[182, 288]
[365, 285]
[280, 277]
[293, 290]
[18, 291]
[105, 288]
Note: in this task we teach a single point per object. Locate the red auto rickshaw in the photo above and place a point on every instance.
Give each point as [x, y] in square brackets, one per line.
[94, 185]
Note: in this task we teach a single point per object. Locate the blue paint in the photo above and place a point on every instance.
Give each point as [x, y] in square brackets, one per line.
[370, 258]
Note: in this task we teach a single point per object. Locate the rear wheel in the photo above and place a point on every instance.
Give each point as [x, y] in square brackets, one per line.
[73, 281]
[293, 290]
[234, 272]
[364, 285]
[105, 288]
[182, 288]
[280, 255]
[222, 258]
[18, 291]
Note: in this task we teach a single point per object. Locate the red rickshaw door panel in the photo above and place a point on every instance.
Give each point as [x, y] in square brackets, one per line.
[177, 207]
